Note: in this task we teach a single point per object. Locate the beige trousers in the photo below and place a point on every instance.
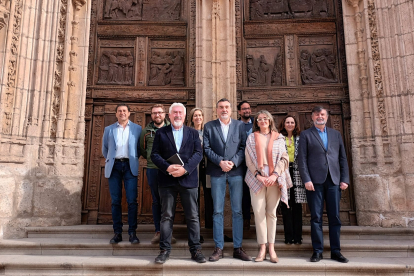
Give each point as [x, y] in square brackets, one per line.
[264, 205]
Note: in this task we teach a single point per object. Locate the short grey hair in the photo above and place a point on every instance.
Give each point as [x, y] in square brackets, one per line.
[177, 104]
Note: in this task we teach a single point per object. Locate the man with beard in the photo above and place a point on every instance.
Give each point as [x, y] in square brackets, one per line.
[224, 145]
[146, 142]
[183, 143]
[245, 112]
[323, 168]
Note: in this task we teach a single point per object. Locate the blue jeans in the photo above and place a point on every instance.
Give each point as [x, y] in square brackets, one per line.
[168, 196]
[122, 171]
[152, 177]
[218, 192]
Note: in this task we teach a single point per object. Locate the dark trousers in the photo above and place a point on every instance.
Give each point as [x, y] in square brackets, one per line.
[152, 177]
[208, 206]
[168, 196]
[121, 171]
[331, 194]
[246, 202]
[292, 218]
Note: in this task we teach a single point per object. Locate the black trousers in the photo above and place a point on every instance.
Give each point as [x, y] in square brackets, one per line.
[168, 196]
[292, 217]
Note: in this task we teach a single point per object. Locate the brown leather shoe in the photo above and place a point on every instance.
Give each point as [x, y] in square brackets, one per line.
[217, 254]
[239, 253]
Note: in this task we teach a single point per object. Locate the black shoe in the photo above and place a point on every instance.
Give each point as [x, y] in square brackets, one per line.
[288, 241]
[116, 239]
[217, 255]
[337, 256]
[133, 238]
[227, 239]
[162, 257]
[316, 257]
[198, 256]
[201, 239]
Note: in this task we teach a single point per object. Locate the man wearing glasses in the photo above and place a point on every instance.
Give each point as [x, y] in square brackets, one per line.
[245, 113]
[146, 142]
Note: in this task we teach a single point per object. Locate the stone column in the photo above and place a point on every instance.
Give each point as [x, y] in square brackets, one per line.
[216, 55]
[381, 82]
[41, 171]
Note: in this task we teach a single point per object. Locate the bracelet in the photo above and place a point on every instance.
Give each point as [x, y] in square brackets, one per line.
[275, 173]
[257, 172]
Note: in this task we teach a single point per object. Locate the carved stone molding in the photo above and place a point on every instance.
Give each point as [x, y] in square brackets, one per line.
[4, 13]
[79, 4]
[60, 52]
[8, 97]
[376, 58]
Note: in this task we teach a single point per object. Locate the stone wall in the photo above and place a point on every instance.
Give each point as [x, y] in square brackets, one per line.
[379, 40]
[43, 56]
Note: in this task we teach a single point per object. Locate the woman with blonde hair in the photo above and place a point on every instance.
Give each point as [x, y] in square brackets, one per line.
[268, 179]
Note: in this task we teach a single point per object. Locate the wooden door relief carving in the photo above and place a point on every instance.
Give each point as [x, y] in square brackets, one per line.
[291, 57]
[141, 52]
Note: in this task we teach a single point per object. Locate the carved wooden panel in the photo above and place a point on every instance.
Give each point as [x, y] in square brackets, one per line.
[281, 9]
[264, 62]
[154, 10]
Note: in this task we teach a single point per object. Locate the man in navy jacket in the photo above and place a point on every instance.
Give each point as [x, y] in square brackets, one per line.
[175, 178]
[323, 168]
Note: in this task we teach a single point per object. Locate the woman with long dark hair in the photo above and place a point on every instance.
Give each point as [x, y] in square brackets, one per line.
[292, 217]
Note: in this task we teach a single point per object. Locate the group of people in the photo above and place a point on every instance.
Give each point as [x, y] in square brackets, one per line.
[261, 164]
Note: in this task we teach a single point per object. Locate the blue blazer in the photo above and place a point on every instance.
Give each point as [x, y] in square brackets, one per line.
[315, 161]
[109, 147]
[190, 152]
[216, 149]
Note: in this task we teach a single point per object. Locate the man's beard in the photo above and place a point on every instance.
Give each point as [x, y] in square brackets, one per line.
[224, 116]
[178, 123]
[246, 116]
[320, 122]
[158, 121]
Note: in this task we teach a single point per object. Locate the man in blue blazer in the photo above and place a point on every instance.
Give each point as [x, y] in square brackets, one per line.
[120, 147]
[174, 179]
[224, 145]
[324, 169]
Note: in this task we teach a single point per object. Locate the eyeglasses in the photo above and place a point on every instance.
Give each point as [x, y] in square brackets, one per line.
[262, 119]
[246, 108]
[157, 113]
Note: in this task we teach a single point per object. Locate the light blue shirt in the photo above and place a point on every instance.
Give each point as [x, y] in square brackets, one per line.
[178, 136]
[324, 136]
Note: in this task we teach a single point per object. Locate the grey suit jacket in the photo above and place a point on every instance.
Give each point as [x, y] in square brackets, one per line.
[216, 149]
[315, 161]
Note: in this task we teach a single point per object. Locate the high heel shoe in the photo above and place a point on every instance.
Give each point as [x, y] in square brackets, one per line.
[274, 259]
[260, 257]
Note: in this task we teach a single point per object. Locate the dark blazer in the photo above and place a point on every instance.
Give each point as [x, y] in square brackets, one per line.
[190, 152]
[216, 149]
[314, 160]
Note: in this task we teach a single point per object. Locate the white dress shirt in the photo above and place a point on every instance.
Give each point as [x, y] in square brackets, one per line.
[122, 141]
[225, 129]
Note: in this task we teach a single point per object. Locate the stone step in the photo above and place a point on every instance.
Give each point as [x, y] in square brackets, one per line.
[147, 231]
[133, 265]
[101, 247]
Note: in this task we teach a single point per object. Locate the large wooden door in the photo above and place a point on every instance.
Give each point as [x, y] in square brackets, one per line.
[291, 57]
[141, 52]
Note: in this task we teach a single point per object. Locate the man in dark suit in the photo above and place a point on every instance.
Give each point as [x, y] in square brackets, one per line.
[323, 168]
[120, 147]
[174, 179]
[224, 145]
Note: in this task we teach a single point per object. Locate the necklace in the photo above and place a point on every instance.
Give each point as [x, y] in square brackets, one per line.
[265, 134]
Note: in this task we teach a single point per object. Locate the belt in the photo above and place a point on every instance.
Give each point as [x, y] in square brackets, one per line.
[122, 160]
